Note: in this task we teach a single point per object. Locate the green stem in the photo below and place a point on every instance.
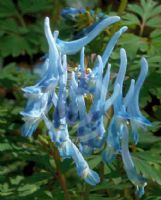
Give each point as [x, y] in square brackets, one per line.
[21, 20]
[102, 170]
[120, 11]
[122, 7]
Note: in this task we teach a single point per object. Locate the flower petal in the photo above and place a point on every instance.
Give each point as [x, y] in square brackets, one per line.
[73, 47]
[137, 180]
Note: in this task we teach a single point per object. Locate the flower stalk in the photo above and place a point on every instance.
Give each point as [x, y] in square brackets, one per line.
[60, 176]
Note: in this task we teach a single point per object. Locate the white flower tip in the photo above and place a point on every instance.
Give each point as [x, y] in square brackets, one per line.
[100, 60]
[85, 172]
[144, 65]
[122, 52]
[124, 28]
[133, 81]
[109, 66]
[47, 20]
[144, 61]
[56, 34]
[116, 18]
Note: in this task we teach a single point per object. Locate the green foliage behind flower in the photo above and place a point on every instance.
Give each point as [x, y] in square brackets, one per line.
[27, 167]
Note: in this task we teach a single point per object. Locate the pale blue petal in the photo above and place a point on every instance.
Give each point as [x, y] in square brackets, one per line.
[71, 11]
[123, 65]
[75, 46]
[108, 155]
[129, 95]
[90, 176]
[85, 149]
[98, 87]
[113, 98]
[134, 128]
[105, 84]
[113, 137]
[133, 108]
[82, 67]
[53, 50]
[137, 180]
[110, 46]
[29, 127]
[119, 108]
[81, 107]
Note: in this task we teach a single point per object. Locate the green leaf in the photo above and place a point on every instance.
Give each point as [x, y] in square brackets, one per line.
[131, 19]
[94, 161]
[147, 170]
[157, 109]
[135, 9]
[5, 147]
[127, 40]
[9, 25]
[13, 44]
[156, 11]
[155, 33]
[34, 6]
[149, 156]
[154, 22]
[7, 9]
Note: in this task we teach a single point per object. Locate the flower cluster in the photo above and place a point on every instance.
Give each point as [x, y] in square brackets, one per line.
[67, 93]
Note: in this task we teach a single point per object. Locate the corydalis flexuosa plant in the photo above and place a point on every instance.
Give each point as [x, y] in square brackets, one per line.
[67, 93]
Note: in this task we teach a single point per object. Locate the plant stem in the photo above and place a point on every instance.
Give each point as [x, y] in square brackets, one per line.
[54, 152]
[61, 177]
[122, 7]
[120, 11]
[86, 192]
[21, 20]
[142, 28]
[102, 171]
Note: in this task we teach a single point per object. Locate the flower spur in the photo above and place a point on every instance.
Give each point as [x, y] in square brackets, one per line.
[58, 131]
[42, 94]
[91, 127]
[70, 107]
[139, 181]
[127, 108]
[74, 46]
[137, 120]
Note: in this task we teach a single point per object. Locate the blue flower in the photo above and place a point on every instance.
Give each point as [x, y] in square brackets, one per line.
[109, 48]
[58, 132]
[120, 114]
[137, 120]
[126, 109]
[37, 105]
[68, 100]
[67, 12]
[50, 78]
[72, 108]
[74, 46]
[139, 181]
[41, 95]
[91, 127]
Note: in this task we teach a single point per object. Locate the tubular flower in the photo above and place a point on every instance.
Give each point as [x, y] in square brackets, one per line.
[91, 128]
[137, 180]
[67, 93]
[74, 46]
